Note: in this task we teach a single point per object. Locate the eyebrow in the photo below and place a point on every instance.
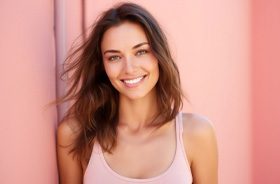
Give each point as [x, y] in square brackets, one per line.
[134, 47]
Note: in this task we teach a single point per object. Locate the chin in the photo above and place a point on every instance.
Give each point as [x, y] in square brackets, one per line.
[132, 96]
[138, 95]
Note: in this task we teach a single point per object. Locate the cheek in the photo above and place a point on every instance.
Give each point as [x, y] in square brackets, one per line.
[154, 66]
[111, 71]
[157, 71]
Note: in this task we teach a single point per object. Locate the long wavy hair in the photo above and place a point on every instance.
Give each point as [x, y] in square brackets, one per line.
[94, 100]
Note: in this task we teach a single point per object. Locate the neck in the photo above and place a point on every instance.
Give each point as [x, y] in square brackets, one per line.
[137, 115]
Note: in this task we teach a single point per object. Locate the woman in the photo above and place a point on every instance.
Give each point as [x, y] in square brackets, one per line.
[124, 125]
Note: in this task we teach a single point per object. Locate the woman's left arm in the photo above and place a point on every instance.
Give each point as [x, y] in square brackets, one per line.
[201, 147]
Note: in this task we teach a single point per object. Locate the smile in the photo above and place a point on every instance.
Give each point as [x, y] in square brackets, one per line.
[133, 81]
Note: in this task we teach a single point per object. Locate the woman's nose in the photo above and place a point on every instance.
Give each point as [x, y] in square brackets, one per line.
[130, 65]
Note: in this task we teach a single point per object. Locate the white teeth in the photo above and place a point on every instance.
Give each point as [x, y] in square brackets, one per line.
[134, 81]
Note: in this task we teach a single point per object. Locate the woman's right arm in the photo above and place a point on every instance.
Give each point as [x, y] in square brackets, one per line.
[70, 169]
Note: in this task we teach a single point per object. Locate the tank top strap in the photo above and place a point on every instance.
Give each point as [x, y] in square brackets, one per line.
[179, 126]
[179, 132]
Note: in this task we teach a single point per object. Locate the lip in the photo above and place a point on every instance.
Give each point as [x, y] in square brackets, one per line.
[137, 81]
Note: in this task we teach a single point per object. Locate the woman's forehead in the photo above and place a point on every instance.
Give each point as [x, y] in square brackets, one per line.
[126, 34]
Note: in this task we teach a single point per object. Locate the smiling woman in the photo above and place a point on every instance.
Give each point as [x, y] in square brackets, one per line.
[125, 124]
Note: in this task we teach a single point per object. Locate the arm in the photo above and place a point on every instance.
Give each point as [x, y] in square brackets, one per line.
[70, 170]
[201, 147]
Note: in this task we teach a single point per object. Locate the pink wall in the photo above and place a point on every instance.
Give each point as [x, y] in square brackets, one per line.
[27, 77]
[266, 89]
[68, 18]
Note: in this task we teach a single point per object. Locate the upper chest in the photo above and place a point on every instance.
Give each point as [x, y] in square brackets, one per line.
[143, 157]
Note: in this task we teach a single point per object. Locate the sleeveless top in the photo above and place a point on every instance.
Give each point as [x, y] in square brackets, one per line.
[99, 172]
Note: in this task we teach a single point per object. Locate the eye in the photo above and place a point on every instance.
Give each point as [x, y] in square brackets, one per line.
[114, 58]
[141, 52]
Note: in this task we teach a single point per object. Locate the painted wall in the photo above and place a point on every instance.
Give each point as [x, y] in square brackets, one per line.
[68, 29]
[27, 78]
[266, 89]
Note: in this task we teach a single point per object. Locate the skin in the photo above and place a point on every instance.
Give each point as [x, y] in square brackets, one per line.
[127, 56]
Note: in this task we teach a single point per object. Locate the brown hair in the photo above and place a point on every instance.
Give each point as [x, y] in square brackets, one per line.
[95, 102]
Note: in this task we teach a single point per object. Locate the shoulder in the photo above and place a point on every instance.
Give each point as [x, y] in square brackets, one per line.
[67, 131]
[201, 147]
[198, 134]
[70, 170]
[196, 125]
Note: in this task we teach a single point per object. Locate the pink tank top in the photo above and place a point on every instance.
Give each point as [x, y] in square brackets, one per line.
[179, 172]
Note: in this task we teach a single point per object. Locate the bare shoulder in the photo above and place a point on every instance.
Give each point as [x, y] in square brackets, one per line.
[201, 147]
[67, 131]
[196, 125]
[70, 170]
[198, 130]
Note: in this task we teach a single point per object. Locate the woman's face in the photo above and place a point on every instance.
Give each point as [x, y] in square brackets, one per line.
[128, 60]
